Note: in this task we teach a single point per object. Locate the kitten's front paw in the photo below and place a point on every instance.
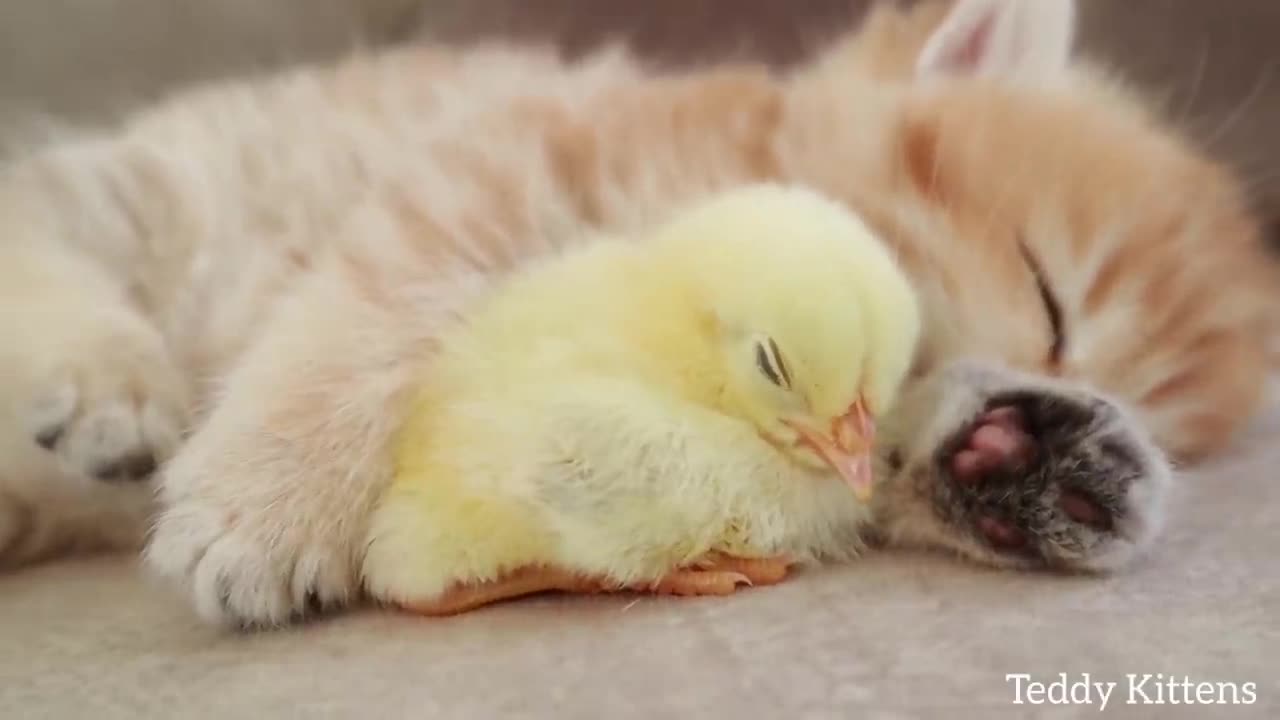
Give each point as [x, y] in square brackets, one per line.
[1021, 470]
[1049, 478]
[247, 568]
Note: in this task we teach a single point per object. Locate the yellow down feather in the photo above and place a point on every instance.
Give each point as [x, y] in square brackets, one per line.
[609, 411]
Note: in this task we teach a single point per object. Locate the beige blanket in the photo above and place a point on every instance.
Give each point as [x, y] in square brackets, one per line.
[896, 635]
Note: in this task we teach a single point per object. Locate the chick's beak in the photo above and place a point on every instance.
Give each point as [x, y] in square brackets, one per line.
[848, 448]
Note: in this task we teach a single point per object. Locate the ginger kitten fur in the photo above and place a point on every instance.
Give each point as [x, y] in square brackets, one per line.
[274, 257]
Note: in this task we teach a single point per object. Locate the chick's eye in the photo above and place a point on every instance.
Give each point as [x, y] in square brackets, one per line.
[769, 361]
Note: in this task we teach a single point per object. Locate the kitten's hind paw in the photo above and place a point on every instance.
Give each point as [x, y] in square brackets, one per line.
[101, 395]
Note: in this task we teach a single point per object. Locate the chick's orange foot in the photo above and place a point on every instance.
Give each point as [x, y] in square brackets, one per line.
[526, 581]
[718, 575]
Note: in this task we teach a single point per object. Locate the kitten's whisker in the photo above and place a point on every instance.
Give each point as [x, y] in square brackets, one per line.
[1197, 82]
[1234, 116]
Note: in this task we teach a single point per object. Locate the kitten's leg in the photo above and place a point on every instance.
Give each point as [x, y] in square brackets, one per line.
[90, 401]
[265, 507]
[1020, 470]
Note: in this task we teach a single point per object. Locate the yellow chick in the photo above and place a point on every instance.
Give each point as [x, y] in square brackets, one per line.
[671, 413]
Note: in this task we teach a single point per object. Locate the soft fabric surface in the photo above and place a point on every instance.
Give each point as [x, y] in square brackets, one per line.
[896, 635]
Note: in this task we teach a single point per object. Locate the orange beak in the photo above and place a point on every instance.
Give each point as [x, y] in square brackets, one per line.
[848, 449]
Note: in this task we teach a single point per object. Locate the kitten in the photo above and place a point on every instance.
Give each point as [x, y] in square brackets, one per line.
[250, 275]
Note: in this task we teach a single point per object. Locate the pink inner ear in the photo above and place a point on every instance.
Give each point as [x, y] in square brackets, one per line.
[1004, 38]
[969, 54]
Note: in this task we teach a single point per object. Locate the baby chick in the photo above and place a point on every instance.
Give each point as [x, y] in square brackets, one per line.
[671, 413]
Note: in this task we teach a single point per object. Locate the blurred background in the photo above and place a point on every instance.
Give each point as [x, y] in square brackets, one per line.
[87, 61]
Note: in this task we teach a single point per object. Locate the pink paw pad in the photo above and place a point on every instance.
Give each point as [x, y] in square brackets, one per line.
[1000, 444]
[1001, 534]
[1085, 511]
[998, 441]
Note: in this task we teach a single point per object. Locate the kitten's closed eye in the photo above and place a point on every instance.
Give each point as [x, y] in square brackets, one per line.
[1051, 306]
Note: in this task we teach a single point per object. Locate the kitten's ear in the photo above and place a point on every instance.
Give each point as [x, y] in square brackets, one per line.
[1021, 39]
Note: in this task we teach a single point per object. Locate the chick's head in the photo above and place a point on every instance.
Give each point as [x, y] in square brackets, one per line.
[805, 314]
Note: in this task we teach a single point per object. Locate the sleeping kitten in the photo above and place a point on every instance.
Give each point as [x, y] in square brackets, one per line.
[262, 265]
